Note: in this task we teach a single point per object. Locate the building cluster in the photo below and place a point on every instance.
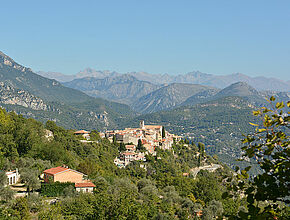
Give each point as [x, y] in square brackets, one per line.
[128, 156]
[150, 136]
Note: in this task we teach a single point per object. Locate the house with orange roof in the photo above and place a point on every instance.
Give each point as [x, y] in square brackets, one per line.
[130, 148]
[64, 174]
[87, 187]
[83, 133]
[128, 157]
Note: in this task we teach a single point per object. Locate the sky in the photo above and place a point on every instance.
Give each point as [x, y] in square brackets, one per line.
[155, 36]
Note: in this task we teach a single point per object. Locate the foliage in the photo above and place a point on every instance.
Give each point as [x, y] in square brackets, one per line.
[30, 178]
[269, 147]
[158, 189]
[54, 189]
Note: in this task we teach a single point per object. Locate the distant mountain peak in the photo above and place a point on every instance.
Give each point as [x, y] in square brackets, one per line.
[238, 89]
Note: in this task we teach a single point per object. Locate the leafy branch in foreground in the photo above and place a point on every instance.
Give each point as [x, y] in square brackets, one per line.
[269, 147]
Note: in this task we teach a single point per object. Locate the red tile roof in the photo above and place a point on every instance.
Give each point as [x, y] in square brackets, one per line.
[82, 132]
[128, 153]
[88, 184]
[153, 126]
[55, 170]
[130, 146]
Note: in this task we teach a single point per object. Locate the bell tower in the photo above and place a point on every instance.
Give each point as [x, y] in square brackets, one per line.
[142, 124]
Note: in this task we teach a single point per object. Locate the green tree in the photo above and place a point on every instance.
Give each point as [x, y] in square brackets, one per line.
[3, 179]
[30, 178]
[122, 147]
[268, 146]
[163, 132]
[140, 145]
[201, 149]
[94, 135]
[6, 193]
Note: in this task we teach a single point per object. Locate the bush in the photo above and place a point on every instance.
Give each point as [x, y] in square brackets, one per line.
[55, 189]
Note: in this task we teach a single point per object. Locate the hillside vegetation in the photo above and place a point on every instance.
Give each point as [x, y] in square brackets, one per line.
[161, 190]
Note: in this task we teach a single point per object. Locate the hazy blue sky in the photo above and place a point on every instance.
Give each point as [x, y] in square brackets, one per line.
[220, 37]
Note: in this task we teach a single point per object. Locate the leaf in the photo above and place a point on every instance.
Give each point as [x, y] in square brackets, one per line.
[253, 124]
[280, 105]
[248, 168]
[272, 98]
[288, 104]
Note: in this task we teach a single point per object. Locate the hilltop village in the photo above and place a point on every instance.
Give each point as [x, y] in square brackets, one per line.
[137, 142]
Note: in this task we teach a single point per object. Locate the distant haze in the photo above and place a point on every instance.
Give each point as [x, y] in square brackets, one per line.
[195, 77]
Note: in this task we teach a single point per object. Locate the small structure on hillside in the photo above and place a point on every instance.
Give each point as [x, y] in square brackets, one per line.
[48, 135]
[130, 148]
[64, 174]
[12, 177]
[87, 187]
[85, 134]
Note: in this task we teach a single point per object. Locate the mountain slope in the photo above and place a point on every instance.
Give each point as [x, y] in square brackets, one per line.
[200, 97]
[20, 85]
[124, 89]
[239, 89]
[167, 97]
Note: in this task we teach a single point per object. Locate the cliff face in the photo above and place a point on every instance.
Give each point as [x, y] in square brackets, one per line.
[13, 96]
[29, 94]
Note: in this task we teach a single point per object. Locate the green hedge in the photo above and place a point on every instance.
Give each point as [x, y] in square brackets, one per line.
[54, 189]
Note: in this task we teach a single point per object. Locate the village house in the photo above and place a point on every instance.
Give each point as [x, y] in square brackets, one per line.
[64, 174]
[12, 177]
[130, 148]
[83, 133]
[128, 157]
[87, 187]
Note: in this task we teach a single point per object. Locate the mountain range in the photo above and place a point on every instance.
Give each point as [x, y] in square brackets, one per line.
[146, 93]
[146, 97]
[32, 95]
[219, 81]
[123, 89]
